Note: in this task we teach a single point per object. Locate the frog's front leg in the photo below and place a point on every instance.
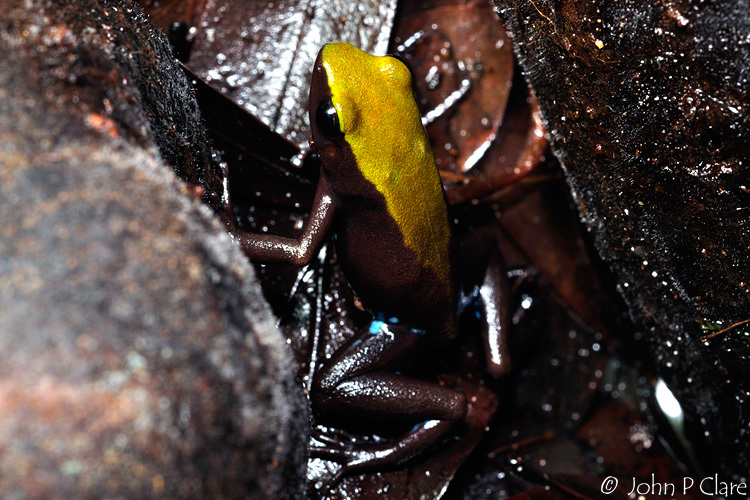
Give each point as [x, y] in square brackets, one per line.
[360, 381]
[487, 291]
[494, 294]
[269, 248]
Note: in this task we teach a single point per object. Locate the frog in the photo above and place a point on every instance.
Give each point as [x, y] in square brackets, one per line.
[380, 196]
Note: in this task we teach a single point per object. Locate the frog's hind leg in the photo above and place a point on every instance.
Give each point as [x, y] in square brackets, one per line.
[359, 381]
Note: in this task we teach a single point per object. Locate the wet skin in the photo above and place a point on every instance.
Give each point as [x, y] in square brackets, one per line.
[380, 194]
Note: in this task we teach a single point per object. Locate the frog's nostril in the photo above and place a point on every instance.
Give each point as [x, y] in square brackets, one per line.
[313, 147]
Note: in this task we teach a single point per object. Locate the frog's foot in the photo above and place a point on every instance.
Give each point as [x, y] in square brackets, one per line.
[357, 456]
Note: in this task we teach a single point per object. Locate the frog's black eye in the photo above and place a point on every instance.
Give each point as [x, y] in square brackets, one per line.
[327, 120]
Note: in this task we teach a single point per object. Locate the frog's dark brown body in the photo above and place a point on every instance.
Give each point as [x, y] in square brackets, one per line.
[385, 205]
[387, 275]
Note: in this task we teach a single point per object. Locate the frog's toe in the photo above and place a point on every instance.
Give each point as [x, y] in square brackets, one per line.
[347, 454]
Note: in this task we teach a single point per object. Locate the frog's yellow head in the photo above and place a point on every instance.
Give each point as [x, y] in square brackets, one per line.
[364, 104]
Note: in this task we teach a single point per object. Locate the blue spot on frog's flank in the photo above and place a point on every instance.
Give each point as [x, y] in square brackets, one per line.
[379, 325]
[376, 326]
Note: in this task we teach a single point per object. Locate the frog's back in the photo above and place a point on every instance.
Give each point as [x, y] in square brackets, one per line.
[393, 204]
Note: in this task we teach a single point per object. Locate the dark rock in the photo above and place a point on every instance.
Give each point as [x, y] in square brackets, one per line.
[646, 105]
[100, 66]
[138, 358]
